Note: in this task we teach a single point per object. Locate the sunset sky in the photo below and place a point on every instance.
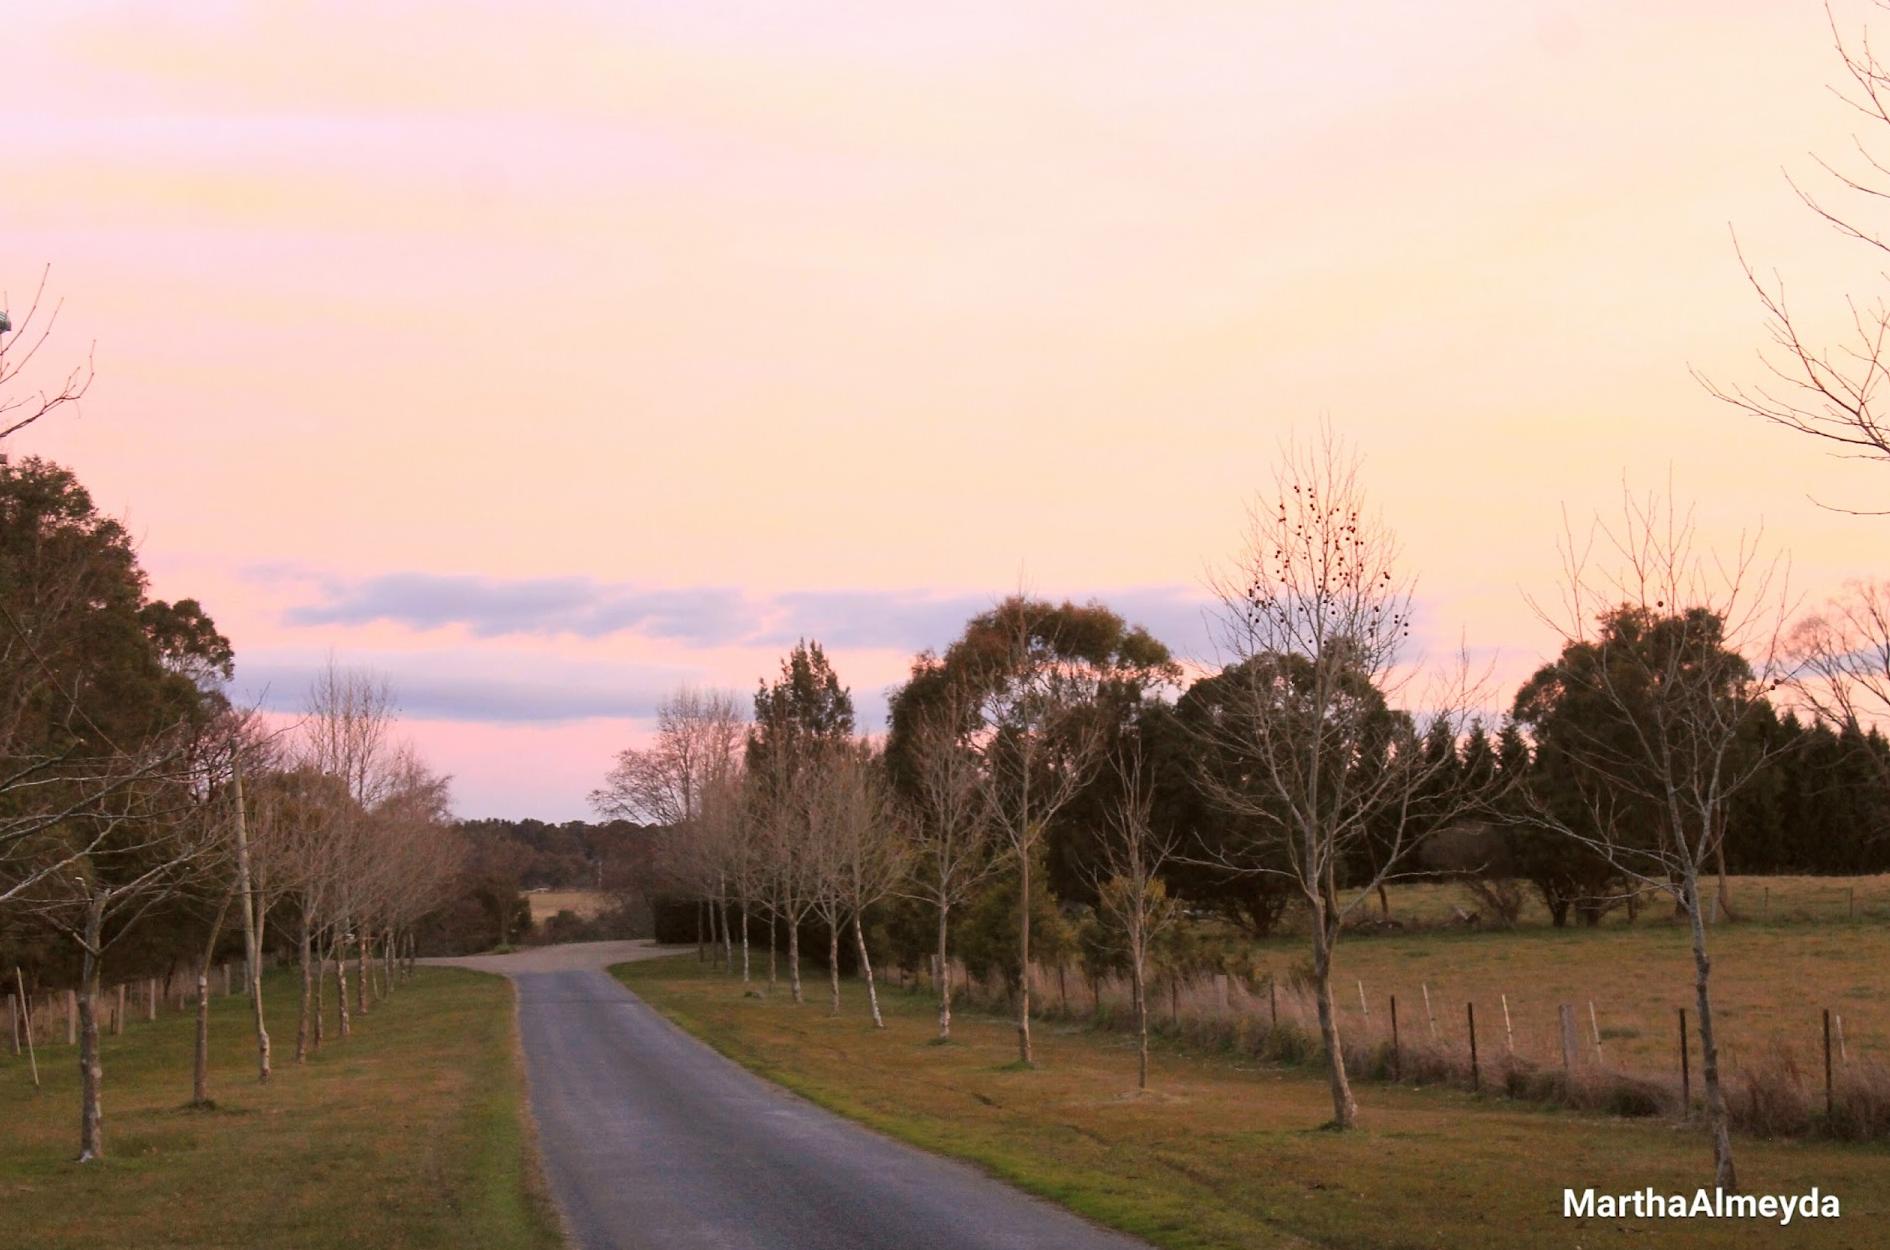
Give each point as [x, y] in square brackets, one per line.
[546, 356]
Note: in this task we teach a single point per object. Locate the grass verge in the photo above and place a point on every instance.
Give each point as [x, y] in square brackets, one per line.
[412, 1133]
[1226, 1152]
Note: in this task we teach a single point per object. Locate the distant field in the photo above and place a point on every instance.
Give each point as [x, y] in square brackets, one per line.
[586, 903]
[1790, 900]
[1771, 979]
[1225, 1152]
[410, 1134]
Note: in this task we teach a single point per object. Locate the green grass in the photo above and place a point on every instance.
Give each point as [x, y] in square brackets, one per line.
[1226, 1152]
[412, 1133]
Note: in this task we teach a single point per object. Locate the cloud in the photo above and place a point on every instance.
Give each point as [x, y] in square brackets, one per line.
[707, 616]
[492, 607]
[468, 687]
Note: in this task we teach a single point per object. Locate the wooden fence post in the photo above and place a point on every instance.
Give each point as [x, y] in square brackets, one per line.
[1429, 1015]
[1174, 999]
[1827, 1063]
[1844, 1055]
[1273, 1000]
[1569, 1047]
[72, 1018]
[1397, 1057]
[1686, 1074]
[1476, 1077]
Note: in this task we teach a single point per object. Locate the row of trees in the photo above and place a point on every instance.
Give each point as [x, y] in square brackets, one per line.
[145, 822]
[1317, 762]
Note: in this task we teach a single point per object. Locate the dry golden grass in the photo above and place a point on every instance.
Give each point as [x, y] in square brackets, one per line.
[586, 903]
[1767, 899]
[1770, 984]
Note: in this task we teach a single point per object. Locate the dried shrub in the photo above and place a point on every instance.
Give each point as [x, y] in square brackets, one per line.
[1499, 900]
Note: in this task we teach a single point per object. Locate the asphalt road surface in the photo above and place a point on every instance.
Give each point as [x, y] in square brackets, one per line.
[652, 1141]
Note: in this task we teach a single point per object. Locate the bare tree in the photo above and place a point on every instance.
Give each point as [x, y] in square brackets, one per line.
[869, 854]
[1129, 886]
[19, 343]
[347, 733]
[1838, 659]
[158, 834]
[1833, 393]
[698, 733]
[949, 830]
[783, 801]
[1678, 648]
[1328, 773]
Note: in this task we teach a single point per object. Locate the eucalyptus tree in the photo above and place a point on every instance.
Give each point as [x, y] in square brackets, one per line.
[1048, 687]
[1673, 650]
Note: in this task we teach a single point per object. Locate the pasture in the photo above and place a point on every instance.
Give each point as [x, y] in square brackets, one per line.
[411, 1133]
[584, 903]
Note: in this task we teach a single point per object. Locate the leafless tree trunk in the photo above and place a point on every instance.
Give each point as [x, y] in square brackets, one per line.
[200, 1068]
[252, 946]
[91, 1070]
[943, 977]
[1680, 658]
[1129, 886]
[866, 971]
[306, 948]
[1834, 393]
[360, 969]
[342, 1024]
[319, 1026]
[949, 831]
[1324, 768]
[794, 962]
[833, 965]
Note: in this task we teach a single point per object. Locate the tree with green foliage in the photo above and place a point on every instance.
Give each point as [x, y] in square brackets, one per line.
[1667, 661]
[1048, 686]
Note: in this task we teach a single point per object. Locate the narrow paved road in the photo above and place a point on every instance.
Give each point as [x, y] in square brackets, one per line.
[652, 1141]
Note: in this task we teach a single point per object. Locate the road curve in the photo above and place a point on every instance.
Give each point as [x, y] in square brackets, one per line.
[652, 1141]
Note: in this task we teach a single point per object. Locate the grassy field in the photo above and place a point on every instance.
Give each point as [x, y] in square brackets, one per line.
[1770, 983]
[1225, 1152]
[586, 903]
[410, 1134]
[1784, 900]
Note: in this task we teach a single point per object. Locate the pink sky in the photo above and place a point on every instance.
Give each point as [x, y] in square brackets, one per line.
[546, 356]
